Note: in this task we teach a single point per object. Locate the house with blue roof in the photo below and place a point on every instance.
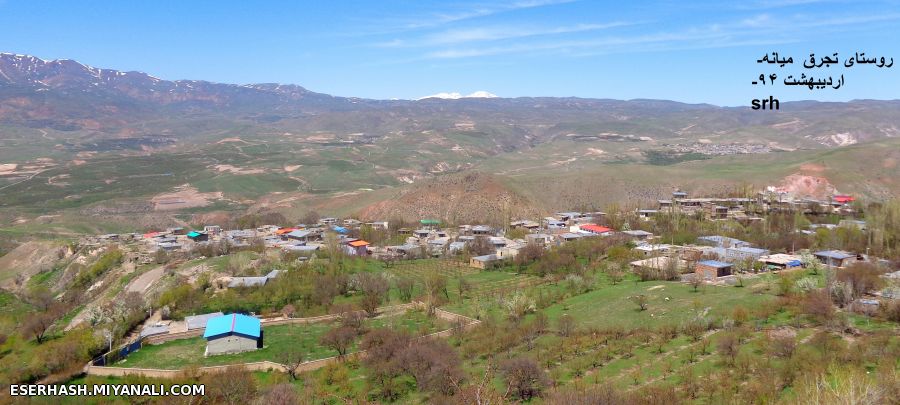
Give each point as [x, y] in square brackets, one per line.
[712, 269]
[232, 333]
[835, 258]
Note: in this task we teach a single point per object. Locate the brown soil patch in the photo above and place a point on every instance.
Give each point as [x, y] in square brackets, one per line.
[290, 168]
[804, 185]
[239, 140]
[237, 170]
[8, 168]
[184, 196]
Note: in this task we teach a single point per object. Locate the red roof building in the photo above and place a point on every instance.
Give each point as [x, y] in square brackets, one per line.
[843, 199]
[596, 229]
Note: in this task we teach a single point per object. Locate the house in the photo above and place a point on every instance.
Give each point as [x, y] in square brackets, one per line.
[712, 269]
[596, 229]
[198, 236]
[437, 245]
[568, 237]
[422, 233]
[530, 225]
[483, 262]
[780, 261]
[659, 263]
[650, 250]
[456, 247]
[256, 281]
[835, 258]
[646, 214]
[722, 241]
[430, 223]
[155, 329]
[358, 248]
[853, 223]
[378, 225]
[639, 234]
[541, 239]
[842, 199]
[233, 333]
[328, 221]
[567, 216]
[352, 222]
[298, 234]
[212, 230]
[744, 253]
[194, 322]
[340, 229]
[497, 241]
[482, 230]
[300, 248]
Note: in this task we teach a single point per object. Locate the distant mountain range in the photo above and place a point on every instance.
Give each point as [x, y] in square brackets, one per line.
[68, 95]
[84, 138]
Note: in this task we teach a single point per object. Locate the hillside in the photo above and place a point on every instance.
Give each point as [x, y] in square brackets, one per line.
[458, 198]
[92, 148]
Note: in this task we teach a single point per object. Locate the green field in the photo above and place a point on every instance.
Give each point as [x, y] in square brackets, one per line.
[277, 341]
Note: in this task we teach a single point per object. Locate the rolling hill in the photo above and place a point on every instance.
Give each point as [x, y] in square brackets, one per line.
[83, 142]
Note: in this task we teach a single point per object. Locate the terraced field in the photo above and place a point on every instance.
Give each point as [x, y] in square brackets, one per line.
[484, 283]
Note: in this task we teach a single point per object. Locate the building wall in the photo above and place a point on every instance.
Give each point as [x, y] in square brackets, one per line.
[710, 273]
[230, 344]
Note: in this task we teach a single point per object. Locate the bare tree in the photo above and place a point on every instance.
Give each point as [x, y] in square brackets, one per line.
[524, 378]
[339, 339]
[291, 359]
[640, 300]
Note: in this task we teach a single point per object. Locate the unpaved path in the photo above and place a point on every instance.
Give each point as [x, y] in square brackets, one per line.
[144, 281]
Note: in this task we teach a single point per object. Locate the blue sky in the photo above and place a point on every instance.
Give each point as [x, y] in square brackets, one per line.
[684, 51]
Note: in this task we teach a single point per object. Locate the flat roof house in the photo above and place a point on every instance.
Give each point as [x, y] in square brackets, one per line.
[835, 258]
[483, 262]
[199, 321]
[712, 269]
[744, 253]
[722, 241]
[233, 333]
[198, 236]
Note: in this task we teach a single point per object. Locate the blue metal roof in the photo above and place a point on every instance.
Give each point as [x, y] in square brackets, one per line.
[341, 229]
[715, 263]
[232, 323]
[794, 263]
[834, 254]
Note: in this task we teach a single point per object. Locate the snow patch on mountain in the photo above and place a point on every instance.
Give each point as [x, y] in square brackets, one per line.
[456, 96]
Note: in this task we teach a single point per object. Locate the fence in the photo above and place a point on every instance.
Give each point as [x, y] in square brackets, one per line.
[100, 370]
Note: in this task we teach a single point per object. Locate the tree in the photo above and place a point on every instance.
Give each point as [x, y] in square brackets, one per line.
[729, 346]
[862, 278]
[640, 300]
[696, 282]
[374, 288]
[524, 377]
[291, 359]
[614, 272]
[234, 386]
[280, 394]
[311, 218]
[37, 325]
[481, 246]
[818, 305]
[433, 364]
[383, 348]
[464, 287]
[566, 325]
[339, 339]
[405, 288]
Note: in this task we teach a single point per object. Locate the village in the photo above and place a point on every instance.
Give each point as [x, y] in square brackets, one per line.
[710, 259]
